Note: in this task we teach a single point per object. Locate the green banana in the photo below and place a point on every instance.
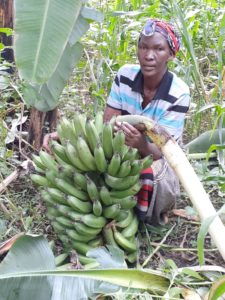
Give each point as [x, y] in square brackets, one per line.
[73, 234]
[92, 189]
[124, 170]
[51, 175]
[81, 248]
[80, 180]
[66, 130]
[68, 188]
[91, 135]
[60, 259]
[79, 205]
[79, 122]
[133, 190]
[74, 216]
[87, 230]
[110, 212]
[131, 154]
[114, 164]
[64, 239]
[121, 184]
[99, 121]
[108, 236]
[40, 180]
[126, 203]
[126, 222]
[47, 198]
[100, 159]
[122, 215]
[57, 195]
[123, 242]
[38, 162]
[64, 221]
[72, 155]
[39, 170]
[53, 212]
[131, 229]
[146, 161]
[96, 242]
[93, 265]
[97, 208]
[105, 196]
[85, 154]
[59, 150]
[132, 257]
[93, 221]
[57, 227]
[136, 167]
[118, 142]
[107, 137]
[83, 259]
[48, 161]
[63, 209]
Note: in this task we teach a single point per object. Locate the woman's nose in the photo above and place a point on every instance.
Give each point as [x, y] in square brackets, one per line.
[149, 54]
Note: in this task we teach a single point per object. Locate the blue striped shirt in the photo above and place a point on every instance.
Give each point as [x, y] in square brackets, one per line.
[168, 107]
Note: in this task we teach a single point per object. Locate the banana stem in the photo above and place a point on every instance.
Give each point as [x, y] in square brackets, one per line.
[186, 174]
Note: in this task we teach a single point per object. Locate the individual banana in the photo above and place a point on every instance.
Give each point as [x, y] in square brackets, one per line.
[93, 265]
[121, 185]
[47, 198]
[96, 242]
[53, 212]
[107, 137]
[104, 195]
[80, 180]
[60, 259]
[79, 123]
[100, 159]
[68, 188]
[85, 154]
[97, 208]
[146, 161]
[99, 121]
[127, 202]
[92, 135]
[48, 161]
[124, 170]
[92, 189]
[132, 257]
[66, 130]
[66, 170]
[108, 236]
[38, 162]
[58, 227]
[118, 142]
[79, 205]
[131, 154]
[64, 221]
[63, 209]
[123, 242]
[126, 221]
[51, 175]
[136, 167]
[87, 230]
[84, 260]
[114, 164]
[74, 216]
[110, 212]
[93, 221]
[131, 229]
[72, 155]
[40, 180]
[57, 195]
[81, 247]
[122, 215]
[133, 190]
[60, 151]
[73, 234]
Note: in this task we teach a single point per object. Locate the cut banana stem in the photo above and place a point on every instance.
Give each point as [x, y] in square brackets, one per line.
[186, 174]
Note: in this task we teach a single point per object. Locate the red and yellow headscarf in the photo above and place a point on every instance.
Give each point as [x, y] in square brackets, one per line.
[166, 29]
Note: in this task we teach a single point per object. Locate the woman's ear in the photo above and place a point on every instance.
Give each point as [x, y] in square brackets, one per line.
[171, 56]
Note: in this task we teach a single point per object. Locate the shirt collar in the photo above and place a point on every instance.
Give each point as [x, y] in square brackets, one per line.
[163, 89]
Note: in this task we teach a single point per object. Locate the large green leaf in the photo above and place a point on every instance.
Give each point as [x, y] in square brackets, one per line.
[24, 274]
[42, 30]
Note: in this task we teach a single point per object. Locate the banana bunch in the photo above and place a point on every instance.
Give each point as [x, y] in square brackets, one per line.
[89, 186]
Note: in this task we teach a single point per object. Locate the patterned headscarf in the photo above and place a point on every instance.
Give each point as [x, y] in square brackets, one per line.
[166, 29]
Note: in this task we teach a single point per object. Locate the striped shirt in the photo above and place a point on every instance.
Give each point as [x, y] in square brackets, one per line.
[168, 107]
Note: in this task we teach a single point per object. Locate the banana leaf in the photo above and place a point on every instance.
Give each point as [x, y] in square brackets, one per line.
[28, 272]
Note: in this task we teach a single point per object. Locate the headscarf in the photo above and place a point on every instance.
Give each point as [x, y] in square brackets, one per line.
[167, 30]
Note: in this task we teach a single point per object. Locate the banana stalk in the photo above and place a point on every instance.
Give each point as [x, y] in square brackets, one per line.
[186, 174]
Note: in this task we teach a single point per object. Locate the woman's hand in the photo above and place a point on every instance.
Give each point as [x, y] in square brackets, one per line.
[47, 138]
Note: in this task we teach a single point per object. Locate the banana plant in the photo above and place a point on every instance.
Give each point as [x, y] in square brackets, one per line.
[47, 47]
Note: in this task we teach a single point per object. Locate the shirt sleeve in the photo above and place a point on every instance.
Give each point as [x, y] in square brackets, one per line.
[114, 99]
[173, 118]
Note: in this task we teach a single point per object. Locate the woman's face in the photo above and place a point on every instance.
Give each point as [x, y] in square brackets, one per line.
[153, 54]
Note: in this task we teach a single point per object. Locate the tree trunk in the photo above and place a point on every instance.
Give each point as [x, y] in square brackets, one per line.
[40, 124]
[6, 21]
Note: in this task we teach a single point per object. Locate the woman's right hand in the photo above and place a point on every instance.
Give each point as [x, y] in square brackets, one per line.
[47, 138]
